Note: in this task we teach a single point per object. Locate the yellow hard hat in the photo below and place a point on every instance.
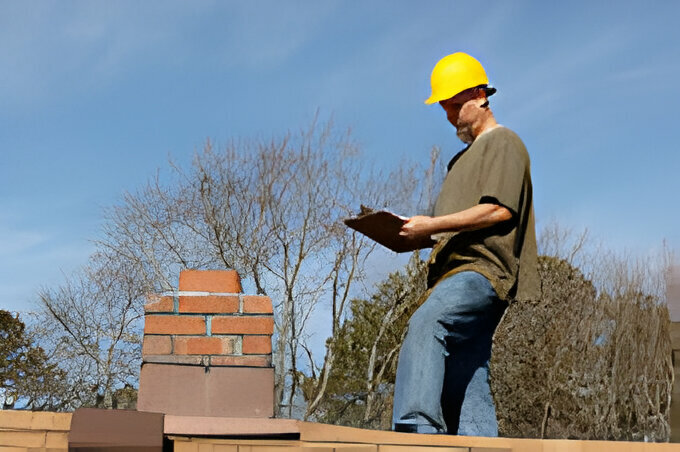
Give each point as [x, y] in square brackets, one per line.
[454, 74]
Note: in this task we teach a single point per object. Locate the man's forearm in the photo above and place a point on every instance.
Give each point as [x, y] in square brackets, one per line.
[477, 217]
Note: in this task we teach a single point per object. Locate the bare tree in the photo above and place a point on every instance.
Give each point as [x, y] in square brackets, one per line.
[91, 326]
[272, 210]
[366, 345]
[397, 296]
[421, 199]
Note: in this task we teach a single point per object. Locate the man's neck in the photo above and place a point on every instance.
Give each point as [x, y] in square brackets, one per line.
[489, 122]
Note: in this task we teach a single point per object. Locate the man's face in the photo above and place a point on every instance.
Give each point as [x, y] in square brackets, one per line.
[462, 110]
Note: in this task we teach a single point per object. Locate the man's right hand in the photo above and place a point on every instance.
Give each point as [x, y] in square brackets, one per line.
[417, 227]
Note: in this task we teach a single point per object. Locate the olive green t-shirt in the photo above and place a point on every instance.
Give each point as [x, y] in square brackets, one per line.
[494, 169]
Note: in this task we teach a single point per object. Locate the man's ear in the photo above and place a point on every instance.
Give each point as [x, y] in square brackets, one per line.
[481, 94]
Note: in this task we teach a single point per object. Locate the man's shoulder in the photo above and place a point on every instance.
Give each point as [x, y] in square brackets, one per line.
[503, 133]
[505, 140]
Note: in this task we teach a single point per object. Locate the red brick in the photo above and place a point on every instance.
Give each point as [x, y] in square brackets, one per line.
[257, 345]
[242, 325]
[257, 304]
[195, 360]
[251, 361]
[174, 324]
[208, 304]
[156, 345]
[157, 303]
[223, 281]
[203, 345]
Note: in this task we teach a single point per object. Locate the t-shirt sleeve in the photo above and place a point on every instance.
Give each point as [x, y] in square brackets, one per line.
[502, 173]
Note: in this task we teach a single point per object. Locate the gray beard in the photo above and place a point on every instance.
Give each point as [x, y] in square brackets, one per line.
[465, 134]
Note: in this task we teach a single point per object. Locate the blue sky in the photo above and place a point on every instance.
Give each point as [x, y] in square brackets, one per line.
[95, 96]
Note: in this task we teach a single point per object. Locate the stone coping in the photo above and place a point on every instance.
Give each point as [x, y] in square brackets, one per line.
[18, 428]
[310, 432]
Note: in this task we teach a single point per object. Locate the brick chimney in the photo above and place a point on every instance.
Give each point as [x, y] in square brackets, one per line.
[207, 349]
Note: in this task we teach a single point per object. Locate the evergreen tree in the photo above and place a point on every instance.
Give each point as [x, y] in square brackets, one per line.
[26, 377]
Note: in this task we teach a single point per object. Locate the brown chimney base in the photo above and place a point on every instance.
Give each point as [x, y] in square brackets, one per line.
[207, 391]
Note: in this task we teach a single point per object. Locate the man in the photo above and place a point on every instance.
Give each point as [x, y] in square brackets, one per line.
[484, 255]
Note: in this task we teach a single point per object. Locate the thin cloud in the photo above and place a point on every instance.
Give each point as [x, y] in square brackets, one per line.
[400, 59]
[51, 49]
[48, 49]
[30, 259]
[263, 35]
[14, 243]
[557, 81]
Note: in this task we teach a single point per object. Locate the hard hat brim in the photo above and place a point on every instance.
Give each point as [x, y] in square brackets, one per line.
[488, 89]
[431, 100]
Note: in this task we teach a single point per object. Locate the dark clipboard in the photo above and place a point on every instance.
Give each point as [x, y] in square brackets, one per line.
[383, 227]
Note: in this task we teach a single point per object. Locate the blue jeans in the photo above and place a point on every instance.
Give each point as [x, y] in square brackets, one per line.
[442, 383]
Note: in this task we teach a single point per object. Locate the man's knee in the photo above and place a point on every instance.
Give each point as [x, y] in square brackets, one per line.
[427, 316]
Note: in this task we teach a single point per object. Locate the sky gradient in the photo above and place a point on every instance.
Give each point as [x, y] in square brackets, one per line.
[95, 97]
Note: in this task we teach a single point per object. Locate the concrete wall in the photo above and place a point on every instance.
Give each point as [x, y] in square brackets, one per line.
[29, 430]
